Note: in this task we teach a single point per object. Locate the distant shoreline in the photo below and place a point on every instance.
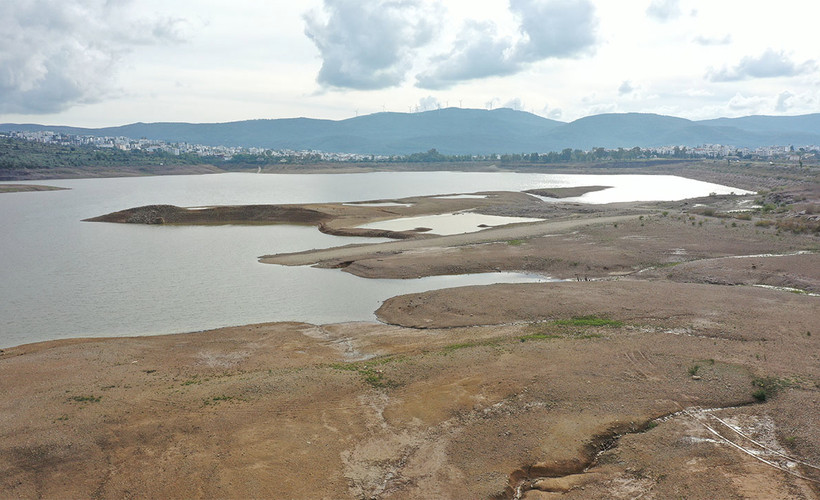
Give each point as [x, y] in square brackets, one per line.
[24, 188]
[749, 176]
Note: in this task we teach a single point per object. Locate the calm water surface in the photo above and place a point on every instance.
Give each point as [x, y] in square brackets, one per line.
[64, 278]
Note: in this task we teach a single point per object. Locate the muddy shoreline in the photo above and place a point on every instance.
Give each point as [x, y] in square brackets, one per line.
[25, 188]
[661, 370]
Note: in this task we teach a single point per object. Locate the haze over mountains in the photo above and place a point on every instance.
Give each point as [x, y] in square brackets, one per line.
[470, 131]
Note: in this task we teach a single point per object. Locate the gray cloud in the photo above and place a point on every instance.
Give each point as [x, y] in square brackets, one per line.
[626, 88]
[476, 54]
[368, 45]
[549, 29]
[664, 10]
[57, 54]
[554, 28]
[770, 64]
[783, 103]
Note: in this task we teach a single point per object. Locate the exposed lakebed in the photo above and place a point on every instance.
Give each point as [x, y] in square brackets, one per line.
[66, 278]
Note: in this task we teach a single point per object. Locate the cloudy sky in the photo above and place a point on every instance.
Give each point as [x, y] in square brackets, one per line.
[110, 62]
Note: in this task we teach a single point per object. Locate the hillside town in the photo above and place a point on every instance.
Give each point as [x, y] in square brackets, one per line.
[178, 148]
[789, 153]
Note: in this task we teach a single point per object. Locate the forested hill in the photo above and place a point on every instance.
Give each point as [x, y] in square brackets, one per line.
[470, 131]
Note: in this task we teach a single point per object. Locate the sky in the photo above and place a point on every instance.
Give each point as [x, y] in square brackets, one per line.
[95, 63]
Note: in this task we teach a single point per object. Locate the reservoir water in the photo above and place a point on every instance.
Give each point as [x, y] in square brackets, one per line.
[63, 278]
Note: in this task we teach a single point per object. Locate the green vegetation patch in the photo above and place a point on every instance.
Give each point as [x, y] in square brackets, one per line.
[515, 243]
[369, 371]
[195, 380]
[799, 225]
[589, 321]
[85, 399]
[766, 387]
[217, 399]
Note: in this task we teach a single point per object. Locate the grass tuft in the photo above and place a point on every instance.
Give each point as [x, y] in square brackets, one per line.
[369, 372]
[86, 399]
[769, 386]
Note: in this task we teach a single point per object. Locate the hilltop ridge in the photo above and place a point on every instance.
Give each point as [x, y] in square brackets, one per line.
[469, 131]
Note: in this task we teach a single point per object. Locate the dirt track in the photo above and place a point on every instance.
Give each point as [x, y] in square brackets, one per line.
[359, 252]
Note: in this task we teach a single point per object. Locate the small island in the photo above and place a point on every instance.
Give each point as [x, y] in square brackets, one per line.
[567, 192]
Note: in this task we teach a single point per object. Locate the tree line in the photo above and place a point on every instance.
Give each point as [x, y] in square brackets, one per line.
[23, 154]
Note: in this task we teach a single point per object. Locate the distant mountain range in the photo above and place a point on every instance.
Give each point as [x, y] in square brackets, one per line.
[470, 131]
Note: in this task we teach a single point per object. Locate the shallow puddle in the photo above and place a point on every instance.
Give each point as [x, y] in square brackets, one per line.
[444, 224]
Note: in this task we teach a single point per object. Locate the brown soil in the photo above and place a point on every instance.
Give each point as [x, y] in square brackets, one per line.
[796, 272]
[578, 249]
[657, 372]
[286, 410]
[254, 214]
[334, 218]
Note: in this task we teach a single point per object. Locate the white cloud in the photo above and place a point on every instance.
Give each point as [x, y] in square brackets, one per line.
[770, 64]
[369, 45]
[57, 54]
[698, 92]
[515, 103]
[551, 113]
[750, 105]
[428, 103]
[664, 10]
[713, 41]
[557, 29]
